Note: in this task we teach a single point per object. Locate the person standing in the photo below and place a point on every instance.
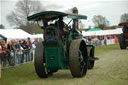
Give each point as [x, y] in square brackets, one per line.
[23, 45]
[19, 52]
[33, 50]
[29, 44]
[10, 52]
[3, 53]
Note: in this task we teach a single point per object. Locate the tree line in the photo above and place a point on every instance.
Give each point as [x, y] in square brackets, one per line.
[101, 21]
[24, 8]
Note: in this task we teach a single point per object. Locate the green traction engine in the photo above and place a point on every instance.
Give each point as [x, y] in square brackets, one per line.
[63, 47]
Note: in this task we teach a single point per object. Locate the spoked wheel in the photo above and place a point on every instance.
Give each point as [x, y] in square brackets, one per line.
[39, 62]
[91, 60]
[122, 42]
[78, 59]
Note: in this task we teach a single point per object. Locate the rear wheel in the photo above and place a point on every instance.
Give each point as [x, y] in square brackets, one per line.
[122, 42]
[39, 62]
[78, 59]
[91, 60]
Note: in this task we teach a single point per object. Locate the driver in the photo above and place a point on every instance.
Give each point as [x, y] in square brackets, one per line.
[62, 26]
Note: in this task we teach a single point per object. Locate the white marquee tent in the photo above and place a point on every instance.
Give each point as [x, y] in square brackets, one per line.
[102, 32]
[16, 34]
[11, 34]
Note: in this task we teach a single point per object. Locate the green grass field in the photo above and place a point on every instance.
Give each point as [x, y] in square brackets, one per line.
[110, 69]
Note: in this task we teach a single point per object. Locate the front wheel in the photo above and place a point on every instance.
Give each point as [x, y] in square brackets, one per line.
[39, 62]
[78, 58]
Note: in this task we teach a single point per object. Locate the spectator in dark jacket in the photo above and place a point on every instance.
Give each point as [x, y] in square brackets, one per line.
[23, 45]
[29, 44]
[25, 51]
[10, 52]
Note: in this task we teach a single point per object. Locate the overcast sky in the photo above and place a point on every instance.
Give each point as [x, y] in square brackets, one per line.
[111, 9]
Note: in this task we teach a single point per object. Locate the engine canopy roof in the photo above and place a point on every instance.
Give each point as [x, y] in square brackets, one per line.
[52, 15]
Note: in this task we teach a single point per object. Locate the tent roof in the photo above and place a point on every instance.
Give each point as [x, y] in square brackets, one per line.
[14, 33]
[102, 32]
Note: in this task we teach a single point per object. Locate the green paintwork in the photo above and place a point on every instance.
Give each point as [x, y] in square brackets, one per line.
[55, 58]
[55, 53]
[51, 15]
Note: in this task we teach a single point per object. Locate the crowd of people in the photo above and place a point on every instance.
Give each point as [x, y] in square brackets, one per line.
[16, 52]
[103, 40]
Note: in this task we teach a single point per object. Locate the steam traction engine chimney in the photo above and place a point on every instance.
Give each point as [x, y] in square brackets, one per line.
[75, 21]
